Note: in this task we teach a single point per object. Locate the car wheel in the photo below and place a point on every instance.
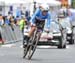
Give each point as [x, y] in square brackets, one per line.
[60, 46]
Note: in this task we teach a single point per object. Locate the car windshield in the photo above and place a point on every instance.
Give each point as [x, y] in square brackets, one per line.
[54, 27]
[65, 23]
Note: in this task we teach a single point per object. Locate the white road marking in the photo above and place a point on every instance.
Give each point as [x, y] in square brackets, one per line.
[21, 46]
[67, 47]
[8, 45]
[38, 46]
[43, 46]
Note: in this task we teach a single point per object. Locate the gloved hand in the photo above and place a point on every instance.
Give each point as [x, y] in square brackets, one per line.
[46, 30]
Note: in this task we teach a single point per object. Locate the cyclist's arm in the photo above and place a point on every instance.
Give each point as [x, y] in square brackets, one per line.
[32, 20]
[48, 21]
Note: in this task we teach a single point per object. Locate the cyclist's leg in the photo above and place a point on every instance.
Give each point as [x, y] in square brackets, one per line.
[27, 37]
[32, 30]
[25, 41]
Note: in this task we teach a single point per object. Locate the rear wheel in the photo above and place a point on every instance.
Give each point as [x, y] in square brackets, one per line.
[26, 48]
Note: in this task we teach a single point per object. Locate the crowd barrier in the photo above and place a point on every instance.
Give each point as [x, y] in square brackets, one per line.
[11, 34]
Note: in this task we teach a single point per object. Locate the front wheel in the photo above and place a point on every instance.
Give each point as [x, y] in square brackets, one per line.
[33, 46]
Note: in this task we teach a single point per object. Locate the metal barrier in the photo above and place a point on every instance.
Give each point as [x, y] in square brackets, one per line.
[9, 35]
[18, 33]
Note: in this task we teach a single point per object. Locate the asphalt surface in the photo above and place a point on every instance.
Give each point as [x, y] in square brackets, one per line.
[13, 53]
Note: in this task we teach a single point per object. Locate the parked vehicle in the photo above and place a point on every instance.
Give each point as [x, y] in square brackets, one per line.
[55, 37]
[70, 35]
[69, 30]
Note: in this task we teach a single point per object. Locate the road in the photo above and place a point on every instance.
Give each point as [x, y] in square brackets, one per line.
[13, 53]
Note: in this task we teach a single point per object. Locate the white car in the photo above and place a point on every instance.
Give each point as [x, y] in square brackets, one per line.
[55, 37]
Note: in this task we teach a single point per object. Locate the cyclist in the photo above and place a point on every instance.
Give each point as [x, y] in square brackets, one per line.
[41, 13]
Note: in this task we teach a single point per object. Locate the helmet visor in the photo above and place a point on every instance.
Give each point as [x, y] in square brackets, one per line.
[45, 10]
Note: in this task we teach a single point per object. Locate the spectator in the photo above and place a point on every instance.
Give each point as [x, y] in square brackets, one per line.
[22, 23]
[17, 20]
[12, 22]
[1, 20]
[1, 23]
[18, 12]
[7, 20]
[71, 13]
[27, 15]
